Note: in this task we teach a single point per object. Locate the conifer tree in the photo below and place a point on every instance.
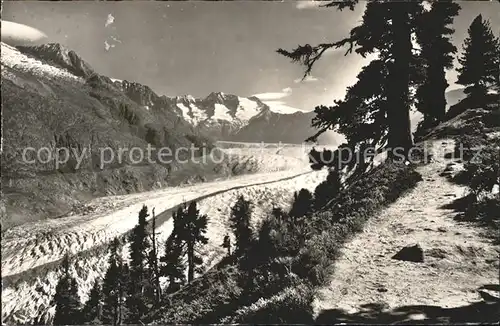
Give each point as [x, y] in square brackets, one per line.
[239, 221]
[480, 61]
[66, 298]
[91, 312]
[226, 244]
[153, 262]
[302, 205]
[195, 227]
[172, 263]
[140, 287]
[376, 109]
[113, 288]
[433, 33]
[328, 189]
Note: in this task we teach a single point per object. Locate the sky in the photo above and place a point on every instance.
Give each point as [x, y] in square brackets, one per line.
[194, 47]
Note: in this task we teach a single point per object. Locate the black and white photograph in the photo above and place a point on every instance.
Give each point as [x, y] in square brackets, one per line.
[250, 162]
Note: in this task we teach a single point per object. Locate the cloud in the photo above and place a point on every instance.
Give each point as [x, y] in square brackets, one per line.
[281, 107]
[115, 39]
[110, 20]
[308, 4]
[15, 34]
[271, 96]
[108, 46]
[308, 79]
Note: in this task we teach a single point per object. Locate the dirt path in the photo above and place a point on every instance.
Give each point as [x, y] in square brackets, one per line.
[458, 260]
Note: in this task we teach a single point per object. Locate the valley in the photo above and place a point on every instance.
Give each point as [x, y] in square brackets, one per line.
[186, 164]
[31, 253]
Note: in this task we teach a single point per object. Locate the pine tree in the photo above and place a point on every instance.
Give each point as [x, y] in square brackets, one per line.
[226, 244]
[91, 312]
[302, 205]
[66, 298]
[328, 189]
[480, 61]
[114, 285]
[437, 51]
[376, 109]
[239, 221]
[172, 266]
[172, 263]
[153, 262]
[140, 287]
[195, 227]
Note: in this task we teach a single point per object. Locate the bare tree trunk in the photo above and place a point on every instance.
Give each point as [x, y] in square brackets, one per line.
[155, 261]
[190, 261]
[398, 110]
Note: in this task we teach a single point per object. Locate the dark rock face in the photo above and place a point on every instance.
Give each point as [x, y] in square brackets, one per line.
[60, 56]
[411, 253]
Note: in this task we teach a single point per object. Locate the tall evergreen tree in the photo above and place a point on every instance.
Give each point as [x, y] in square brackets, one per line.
[66, 298]
[172, 263]
[433, 33]
[239, 220]
[302, 205]
[480, 61]
[226, 244]
[328, 189]
[153, 262]
[91, 312]
[375, 109]
[114, 285]
[140, 287]
[195, 227]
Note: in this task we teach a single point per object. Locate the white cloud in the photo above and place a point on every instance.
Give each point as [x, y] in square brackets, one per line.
[281, 107]
[18, 34]
[115, 39]
[271, 96]
[108, 46]
[308, 79]
[307, 4]
[110, 20]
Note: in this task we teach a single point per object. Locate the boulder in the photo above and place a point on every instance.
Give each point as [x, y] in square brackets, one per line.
[410, 253]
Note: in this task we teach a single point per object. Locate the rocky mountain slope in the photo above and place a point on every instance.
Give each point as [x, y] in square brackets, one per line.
[269, 126]
[229, 117]
[62, 121]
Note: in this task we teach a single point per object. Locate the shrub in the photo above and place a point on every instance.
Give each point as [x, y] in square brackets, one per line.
[291, 306]
[482, 166]
[466, 146]
[327, 190]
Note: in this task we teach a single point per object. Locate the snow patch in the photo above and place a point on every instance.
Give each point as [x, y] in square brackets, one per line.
[221, 113]
[13, 58]
[247, 109]
[185, 112]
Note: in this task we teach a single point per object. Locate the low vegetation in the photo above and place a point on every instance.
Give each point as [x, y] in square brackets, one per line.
[290, 254]
[481, 175]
